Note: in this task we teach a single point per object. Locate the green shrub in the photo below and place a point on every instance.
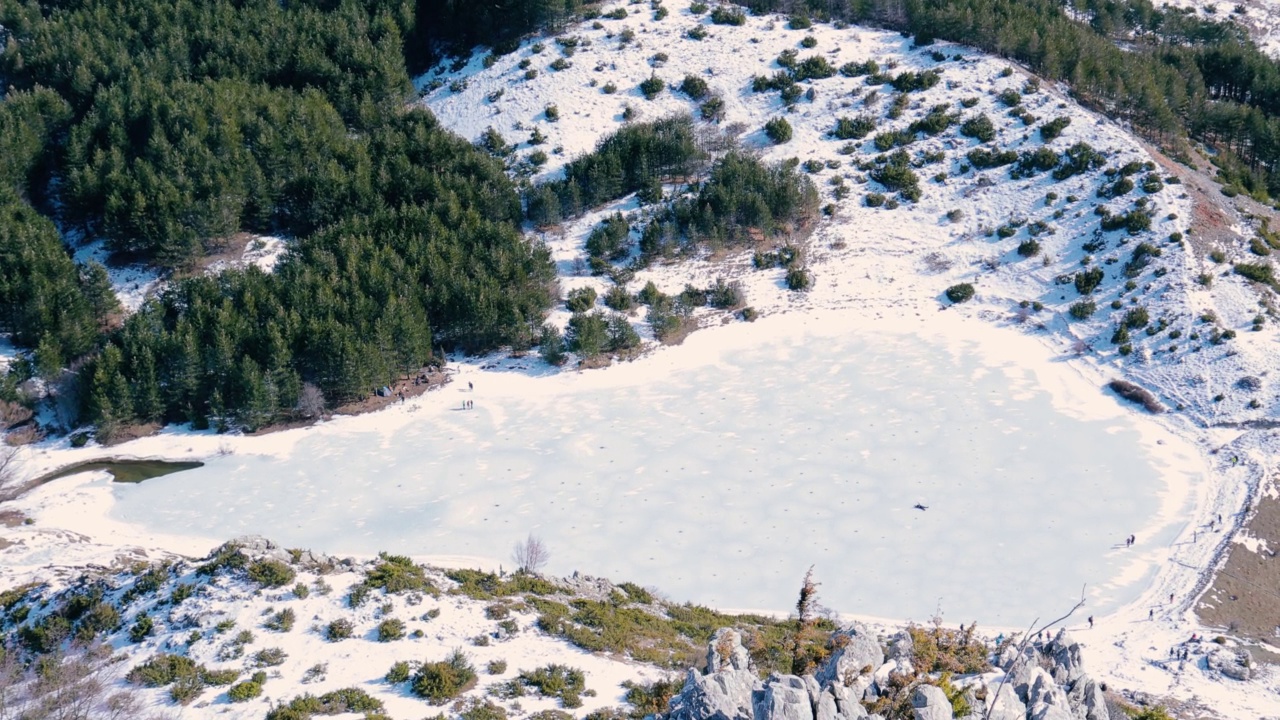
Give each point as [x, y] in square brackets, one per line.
[1082, 309]
[798, 279]
[270, 657]
[440, 682]
[244, 692]
[1136, 318]
[853, 128]
[697, 32]
[1009, 97]
[339, 629]
[652, 87]
[397, 574]
[142, 629]
[281, 621]
[346, 700]
[271, 573]
[1029, 248]
[580, 299]
[185, 690]
[163, 669]
[695, 87]
[551, 113]
[960, 292]
[557, 681]
[725, 15]
[778, 130]
[1052, 130]
[979, 128]
[390, 629]
[398, 673]
[1089, 280]
[496, 667]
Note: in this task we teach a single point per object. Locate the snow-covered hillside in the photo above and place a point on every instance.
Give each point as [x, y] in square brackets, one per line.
[1260, 17]
[970, 225]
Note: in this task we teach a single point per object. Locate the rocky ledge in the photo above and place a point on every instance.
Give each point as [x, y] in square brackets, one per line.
[1043, 681]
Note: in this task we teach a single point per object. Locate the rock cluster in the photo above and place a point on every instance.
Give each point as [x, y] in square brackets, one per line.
[1045, 682]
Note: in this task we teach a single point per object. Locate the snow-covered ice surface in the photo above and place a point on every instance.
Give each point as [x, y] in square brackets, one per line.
[995, 413]
[722, 478]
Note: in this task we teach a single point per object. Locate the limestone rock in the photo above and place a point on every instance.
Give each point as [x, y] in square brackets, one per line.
[783, 697]
[1065, 652]
[725, 693]
[856, 649]
[725, 651]
[825, 708]
[930, 703]
[1005, 705]
[1087, 701]
[1045, 700]
[1230, 663]
[901, 647]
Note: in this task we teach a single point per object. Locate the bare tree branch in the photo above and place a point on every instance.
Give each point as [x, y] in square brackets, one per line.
[1032, 631]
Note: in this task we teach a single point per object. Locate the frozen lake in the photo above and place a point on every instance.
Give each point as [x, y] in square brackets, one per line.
[719, 471]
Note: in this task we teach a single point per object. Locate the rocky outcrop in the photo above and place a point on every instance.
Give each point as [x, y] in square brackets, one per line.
[1040, 683]
[930, 703]
[725, 693]
[857, 653]
[783, 697]
[1230, 663]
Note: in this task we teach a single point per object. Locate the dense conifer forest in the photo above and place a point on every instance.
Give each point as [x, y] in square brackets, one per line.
[166, 127]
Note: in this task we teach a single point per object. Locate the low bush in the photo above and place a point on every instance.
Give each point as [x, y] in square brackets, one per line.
[269, 657]
[390, 629]
[695, 87]
[163, 669]
[1029, 248]
[398, 673]
[271, 573]
[726, 15]
[244, 692]
[557, 681]
[282, 621]
[346, 700]
[1052, 130]
[778, 130]
[440, 682]
[1089, 280]
[339, 629]
[799, 279]
[1082, 309]
[979, 128]
[580, 299]
[853, 128]
[960, 292]
[652, 87]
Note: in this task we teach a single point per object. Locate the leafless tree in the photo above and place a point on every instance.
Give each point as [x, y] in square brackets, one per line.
[9, 464]
[74, 686]
[310, 401]
[531, 555]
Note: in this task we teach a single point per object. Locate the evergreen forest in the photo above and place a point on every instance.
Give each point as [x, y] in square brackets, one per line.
[167, 128]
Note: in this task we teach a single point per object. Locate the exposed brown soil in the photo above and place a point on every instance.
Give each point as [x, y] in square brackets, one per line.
[429, 378]
[1244, 598]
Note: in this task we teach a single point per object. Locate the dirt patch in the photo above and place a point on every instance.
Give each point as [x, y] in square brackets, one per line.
[408, 386]
[11, 518]
[1243, 598]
